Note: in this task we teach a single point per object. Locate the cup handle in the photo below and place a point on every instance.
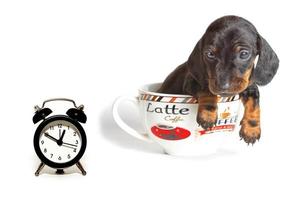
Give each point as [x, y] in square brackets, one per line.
[121, 122]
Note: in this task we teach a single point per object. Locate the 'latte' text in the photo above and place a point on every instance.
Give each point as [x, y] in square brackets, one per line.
[168, 109]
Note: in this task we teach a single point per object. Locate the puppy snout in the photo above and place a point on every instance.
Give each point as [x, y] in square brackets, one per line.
[224, 86]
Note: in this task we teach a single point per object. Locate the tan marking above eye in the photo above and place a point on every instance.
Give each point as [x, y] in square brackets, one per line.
[237, 49]
[212, 49]
[215, 49]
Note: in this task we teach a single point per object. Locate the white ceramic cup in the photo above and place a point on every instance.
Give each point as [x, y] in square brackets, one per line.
[170, 121]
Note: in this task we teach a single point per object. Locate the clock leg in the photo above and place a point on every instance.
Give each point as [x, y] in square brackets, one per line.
[41, 166]
[81, 168]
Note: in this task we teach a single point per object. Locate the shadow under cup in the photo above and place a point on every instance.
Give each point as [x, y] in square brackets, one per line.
[170, 121]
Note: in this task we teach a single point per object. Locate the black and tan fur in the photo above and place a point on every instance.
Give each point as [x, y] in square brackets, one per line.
[222, 63]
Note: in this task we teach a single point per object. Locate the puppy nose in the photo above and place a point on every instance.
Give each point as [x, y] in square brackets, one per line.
[224, 86]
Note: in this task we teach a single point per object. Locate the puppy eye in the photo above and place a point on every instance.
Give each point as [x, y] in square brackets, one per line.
[244, 54]
[210, 55]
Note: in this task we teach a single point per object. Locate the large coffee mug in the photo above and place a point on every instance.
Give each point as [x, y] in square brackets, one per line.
[170, 121]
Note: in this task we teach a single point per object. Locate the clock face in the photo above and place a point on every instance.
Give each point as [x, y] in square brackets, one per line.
[60, 141]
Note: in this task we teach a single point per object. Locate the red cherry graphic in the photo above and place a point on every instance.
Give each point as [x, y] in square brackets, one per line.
[170, 133]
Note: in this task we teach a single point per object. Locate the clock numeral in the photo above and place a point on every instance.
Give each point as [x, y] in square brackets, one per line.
[59, 125]
[51, 155]
[76, 142]
[68, 127]
[42, 142]
[75, 133]
[51, 128]
[74, 150]
[59, 158]
[45, 150]
[69, 156]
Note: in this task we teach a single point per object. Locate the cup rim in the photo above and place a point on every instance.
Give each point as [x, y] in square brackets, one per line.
[142, 90]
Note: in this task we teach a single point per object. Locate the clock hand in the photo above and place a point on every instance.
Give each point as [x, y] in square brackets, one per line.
[70, 144]
[50, 137]
[60, 141]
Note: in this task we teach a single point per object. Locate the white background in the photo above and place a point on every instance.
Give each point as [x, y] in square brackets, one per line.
[94, 51]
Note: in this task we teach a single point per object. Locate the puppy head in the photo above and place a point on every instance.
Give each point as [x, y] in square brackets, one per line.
[226, 55]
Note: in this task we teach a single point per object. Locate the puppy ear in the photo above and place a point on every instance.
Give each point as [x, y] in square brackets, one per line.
[190, 86]
[195, 77]
[267, 63]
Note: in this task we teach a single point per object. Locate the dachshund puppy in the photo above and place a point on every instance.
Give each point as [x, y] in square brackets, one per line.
[222, 64]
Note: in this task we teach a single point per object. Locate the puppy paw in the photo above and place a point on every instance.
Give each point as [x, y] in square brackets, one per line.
[250, 131]
[207, 116]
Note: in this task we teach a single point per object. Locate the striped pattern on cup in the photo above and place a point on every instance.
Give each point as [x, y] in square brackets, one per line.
[187, 100]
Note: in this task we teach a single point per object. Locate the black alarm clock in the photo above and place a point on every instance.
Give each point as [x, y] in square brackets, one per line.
[59, 140]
